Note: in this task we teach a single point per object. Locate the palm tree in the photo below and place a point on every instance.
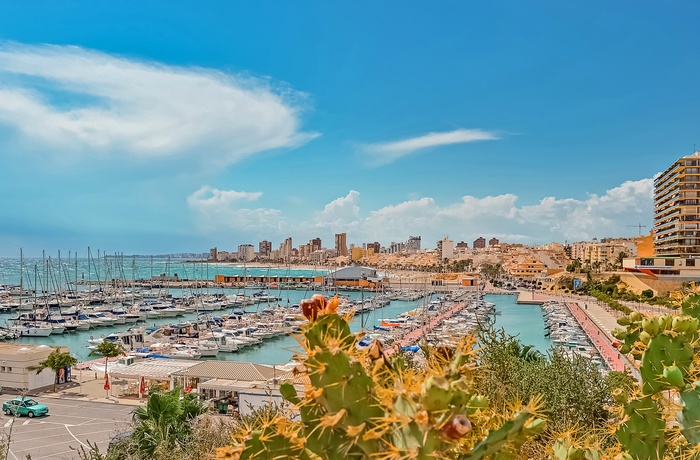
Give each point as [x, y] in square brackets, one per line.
[525, 352]
[165, 422]
[56, 361]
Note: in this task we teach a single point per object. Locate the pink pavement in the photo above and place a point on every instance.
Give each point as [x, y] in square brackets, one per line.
[612, 357]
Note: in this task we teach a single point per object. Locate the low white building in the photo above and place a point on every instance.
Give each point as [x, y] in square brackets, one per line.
[18, 364]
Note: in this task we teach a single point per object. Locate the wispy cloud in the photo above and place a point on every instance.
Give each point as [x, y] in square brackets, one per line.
[83, 101]
[208, 196]
[388, 152]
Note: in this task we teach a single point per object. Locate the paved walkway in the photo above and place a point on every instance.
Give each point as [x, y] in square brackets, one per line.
[415, 334]
[89, 386]
[598, 320]
[604, 346]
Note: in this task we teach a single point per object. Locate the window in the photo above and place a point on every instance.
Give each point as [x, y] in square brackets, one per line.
[647, 262]
[2, 368]
[9, 369]
[689, 262]
[670, 262]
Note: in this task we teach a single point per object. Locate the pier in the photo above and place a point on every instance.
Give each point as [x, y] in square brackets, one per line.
[415, 334]
[612, 357]
[596, 321]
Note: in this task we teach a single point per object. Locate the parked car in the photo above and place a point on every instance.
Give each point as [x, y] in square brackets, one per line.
[24, 406]
[119, 445]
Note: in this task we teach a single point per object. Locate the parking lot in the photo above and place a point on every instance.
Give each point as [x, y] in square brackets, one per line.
[69, 425]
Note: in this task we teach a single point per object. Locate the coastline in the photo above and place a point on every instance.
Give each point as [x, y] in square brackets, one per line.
[411, 276]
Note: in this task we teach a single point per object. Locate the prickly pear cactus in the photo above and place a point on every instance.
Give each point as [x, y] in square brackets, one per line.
[691, 306]
[642, 432]
[668, 350]
[565, 450]
[689, 417]
[368, 403]
[665, 362]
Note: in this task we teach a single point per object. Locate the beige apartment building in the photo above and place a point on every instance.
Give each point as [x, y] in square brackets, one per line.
[677, 209]
[528, 269]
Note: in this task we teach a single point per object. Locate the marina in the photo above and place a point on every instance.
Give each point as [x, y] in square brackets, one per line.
[251, 318]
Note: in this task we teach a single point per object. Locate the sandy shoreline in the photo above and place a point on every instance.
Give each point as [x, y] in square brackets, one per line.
[408, 275]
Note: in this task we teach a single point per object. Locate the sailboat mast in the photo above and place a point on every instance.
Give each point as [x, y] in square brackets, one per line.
[21, 273]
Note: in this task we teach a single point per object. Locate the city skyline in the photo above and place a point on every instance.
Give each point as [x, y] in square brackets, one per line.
[144, 130]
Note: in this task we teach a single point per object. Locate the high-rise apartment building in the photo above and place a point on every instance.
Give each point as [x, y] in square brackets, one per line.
[494, 242]
[286, 249]
[315, 244]
[375, 246]
[479, 243]
[413, 243]
[445, 248]
[246, 252]
[341, 246]
[264, 248]
[677, 209]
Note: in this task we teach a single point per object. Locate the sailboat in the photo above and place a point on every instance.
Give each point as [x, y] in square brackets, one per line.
[29, 328]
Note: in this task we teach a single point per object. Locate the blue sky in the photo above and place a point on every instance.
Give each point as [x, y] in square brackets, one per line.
[158, 127]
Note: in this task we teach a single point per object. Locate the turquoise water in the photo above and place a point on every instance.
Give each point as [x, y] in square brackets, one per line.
[51, 273]
[274, 351]
[524, 321]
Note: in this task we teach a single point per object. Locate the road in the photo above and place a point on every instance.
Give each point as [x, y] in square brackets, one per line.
[69, 425]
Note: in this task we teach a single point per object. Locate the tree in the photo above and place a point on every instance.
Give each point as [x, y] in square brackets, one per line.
[574, 266]
[492, 271]
[164, 424]
[56, 361]
[620, 258]
[109, 350]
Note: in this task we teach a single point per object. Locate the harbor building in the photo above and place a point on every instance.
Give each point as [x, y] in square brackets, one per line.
[18, 364]
[354, 276]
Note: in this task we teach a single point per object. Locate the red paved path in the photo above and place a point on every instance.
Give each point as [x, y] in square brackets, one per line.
[612, 357]
[411, 337]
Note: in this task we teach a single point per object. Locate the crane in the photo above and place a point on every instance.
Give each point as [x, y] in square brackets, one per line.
[639, 226]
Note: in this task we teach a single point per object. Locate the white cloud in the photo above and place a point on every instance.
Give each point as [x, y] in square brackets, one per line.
[217, 210]
[388, 152]
[551, 219]
[340, 213]
[84, 101]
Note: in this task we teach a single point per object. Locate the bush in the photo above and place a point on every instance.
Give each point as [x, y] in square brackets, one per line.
[572, 388]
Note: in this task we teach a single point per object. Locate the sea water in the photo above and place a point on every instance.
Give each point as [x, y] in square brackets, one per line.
[524, 321]
[272, 351]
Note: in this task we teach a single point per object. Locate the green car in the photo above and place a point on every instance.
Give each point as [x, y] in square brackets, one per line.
[28, 407]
